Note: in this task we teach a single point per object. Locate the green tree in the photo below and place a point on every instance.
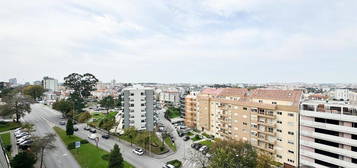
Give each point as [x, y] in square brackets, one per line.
[16, 104]
[265, 160]
[232, 154]
[23, 159]
[28, 127]
[64, 106]
[131, 133]
[35, 91]
[144, 139]
[115, 158]
[108, 103]
[69, 127]
[40, 144]
[107, 124]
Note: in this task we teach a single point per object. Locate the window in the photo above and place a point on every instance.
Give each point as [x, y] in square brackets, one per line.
[142, 115]
[245, 108]
[131, 94]
[270, 129]
[142, 121]
[291, 142]
[244, 123]
[131, 105]
[279, 139]
[279, 130]
[291, 115]
[279, 156]
[279, 113]
[142, 104]
[260, 101]
[291, 133]
[273, 102]
[292, 161]
[290, 151]
[279, 122]
[142, 93]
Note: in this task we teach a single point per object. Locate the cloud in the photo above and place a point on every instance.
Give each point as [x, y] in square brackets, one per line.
[157, 41]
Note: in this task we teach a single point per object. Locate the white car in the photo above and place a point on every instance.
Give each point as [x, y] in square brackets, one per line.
[23, 138]
[168, 166]
[138, 151]
[92, 136]
[203, 148]
[22, 134]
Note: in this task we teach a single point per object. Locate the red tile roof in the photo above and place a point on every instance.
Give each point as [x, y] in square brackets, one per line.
[225, 91]
[282, 95]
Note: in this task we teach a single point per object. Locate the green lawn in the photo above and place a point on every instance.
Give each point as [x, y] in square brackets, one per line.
[155, 143]
[173, 112]
[189, 134]
[88, 155]
[6, 126]
[170, 144]
[97, 116]
[5, 137]
[196, 138]
[208, 143]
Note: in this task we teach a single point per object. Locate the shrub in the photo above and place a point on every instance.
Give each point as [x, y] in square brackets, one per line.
[106, 157]
[71, 146]
[8, 148]
[83, 117]
[162, 148]
[84, 141]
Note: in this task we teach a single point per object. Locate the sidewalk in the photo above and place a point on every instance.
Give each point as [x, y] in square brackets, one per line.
[14, 147]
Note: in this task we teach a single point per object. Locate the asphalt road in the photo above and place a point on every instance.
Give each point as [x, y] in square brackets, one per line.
[45, 118]
[59, 157]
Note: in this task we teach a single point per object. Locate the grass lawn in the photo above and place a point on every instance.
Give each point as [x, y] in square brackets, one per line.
[88, 155]
[170, 144]
[155, 143]
[6, 126]
[97, 116]
[173, 112]
[175, 163]
[189, 134]
[5, 137]
[208, 143]
[196, 138]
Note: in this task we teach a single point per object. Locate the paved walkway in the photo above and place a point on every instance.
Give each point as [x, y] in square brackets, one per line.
[14, 148]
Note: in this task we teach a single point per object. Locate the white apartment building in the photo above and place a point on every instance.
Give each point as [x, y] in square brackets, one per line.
[50, 84]
[138, 107]
[328, 134]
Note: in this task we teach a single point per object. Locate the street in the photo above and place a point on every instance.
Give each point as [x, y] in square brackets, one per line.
[45, 118]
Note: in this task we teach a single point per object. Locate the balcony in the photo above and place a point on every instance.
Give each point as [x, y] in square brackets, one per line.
[338, 128]
[336, 139]
[265, 149]
[266, 132]
[328, 148]
[327, 115]
[326, 158]
[262, 114]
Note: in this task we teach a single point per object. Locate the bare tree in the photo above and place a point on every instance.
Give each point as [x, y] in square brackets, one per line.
[42, 143]
[198, 158]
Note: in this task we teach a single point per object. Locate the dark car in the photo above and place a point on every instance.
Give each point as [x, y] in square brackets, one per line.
[75, 129]
[106, 136]
[186, 138]
[92, 130]
[193, 145]
[86, 128]
[198, 146]
[180, 134]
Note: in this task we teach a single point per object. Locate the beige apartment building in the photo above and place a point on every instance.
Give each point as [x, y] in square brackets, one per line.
[190, 110]
[268, 119]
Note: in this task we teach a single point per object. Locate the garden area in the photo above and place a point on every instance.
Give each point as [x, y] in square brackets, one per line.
[171, 144]
[88, 155]
[207, 143]
[5, 138]
[172, 112]
[147, 140]
[196, 138]
[98, 116]
[175, 163]
[6, 126]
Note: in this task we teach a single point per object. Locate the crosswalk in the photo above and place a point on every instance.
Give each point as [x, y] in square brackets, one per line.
[189, 164]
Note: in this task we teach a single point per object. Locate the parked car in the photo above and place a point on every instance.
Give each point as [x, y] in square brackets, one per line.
[198, 146]
[26, 143]
[92, 130]
[168, 166]
[18, 141]
[138, 151]
[75, 128]
[22, 134]
[92, 136]
[105, 136]
[203, 148]
[86, 128]
[186, 138]
[62, 123]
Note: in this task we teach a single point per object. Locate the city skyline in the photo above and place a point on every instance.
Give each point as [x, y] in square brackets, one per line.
[181, 41]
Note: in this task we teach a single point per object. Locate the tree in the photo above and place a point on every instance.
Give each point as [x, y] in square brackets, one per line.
[107, 124]
[130, 133]
[265, 160]
[69, 127]
[23, 159]
[35, 91]
[144, 138]
[108, 103]
[40, 144]
[28, 127]
[64, 106]
[197, 157]
[115, 158]
[16, 104]
[232, 154]
[118, 101]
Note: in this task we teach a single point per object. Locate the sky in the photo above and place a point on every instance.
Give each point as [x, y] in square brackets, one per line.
[180, 41]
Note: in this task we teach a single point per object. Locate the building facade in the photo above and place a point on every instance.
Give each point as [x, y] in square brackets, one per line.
[328, 134]
[50, 84]
[268, 119]
[191, 106]
[138, 107]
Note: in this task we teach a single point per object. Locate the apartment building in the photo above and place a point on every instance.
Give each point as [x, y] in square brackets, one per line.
[138, 107]
[191, 109]
[50, 84]
[268, 119]
[328, 134]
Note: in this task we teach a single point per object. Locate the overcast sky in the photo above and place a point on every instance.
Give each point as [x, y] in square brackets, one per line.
[180, 40]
